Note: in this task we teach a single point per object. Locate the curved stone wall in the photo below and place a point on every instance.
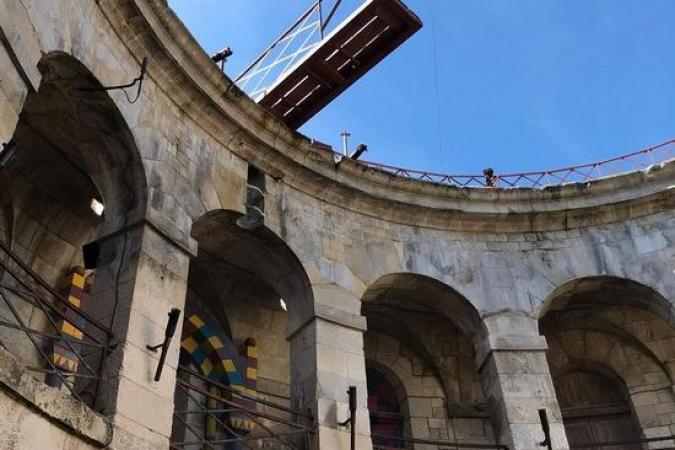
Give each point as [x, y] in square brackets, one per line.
[504, 251]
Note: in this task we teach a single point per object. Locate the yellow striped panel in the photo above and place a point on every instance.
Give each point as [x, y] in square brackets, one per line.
[215, 342]
[229, 365]
[190, 344]
[76, 302]
[252, 351]
[196, 321]
[207, 367]
[78, 281]
[251, 373]
[70, 330]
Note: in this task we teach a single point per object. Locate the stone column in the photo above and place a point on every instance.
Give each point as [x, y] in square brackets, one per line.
[517, 382]
[153, 280]
[326, 358]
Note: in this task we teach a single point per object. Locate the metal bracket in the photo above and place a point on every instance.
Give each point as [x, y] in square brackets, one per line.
[174, 314]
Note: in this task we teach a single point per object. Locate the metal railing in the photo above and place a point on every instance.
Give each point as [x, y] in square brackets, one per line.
[638, 160]
[24, 294]
[204, 400]
[626, 442]
[404, 443]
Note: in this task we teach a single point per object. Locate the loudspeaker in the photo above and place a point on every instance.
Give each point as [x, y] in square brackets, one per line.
[99, 253]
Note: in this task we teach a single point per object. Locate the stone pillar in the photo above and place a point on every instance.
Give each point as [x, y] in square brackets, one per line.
[517, 382]
[326, 358]
[153, 280]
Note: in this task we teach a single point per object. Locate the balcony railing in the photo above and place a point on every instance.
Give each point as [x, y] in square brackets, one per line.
[638, 160]
[210, 415]
[398, 443]
[69, 347]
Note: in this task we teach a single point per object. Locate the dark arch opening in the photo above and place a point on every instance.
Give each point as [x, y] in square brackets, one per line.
[386, 397]
[590, 294]
[597, 330]
[258, 254]
[246, 288]
[441, 327]
[399, 290]
[71, 146]
[595, 406]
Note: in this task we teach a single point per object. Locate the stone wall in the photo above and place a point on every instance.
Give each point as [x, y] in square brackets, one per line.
[429, 413]
[182, 153]
[635, 346]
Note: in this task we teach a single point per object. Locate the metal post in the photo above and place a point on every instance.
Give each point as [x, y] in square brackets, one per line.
[345, 143]
[168, 334]
[321, 18]
[352, 415]
[543, 418]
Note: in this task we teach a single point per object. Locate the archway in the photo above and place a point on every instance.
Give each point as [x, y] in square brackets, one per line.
[423, 331]
[611, 360]
[385, 406]
[595, 407]
[245, 289]
[74, 175]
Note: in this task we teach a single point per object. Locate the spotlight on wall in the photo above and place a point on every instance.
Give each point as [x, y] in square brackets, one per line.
[360, 150]
[7, 152]
[356, 154]
[97, 207]
[100, 253]
[283, 304]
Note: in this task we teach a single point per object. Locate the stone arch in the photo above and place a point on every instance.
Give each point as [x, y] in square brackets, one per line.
[260, 253]
[91, 135]
[630, 362]
[71, 145]
[584, 293]
[397, 426]
[617, 328]
[240, 276]
[429, 292]
[442, 331]
[595, 402]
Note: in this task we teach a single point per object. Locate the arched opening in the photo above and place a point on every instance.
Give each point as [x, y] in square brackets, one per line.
[595, 407]
[234, 389]
[387, 421]
[610, 355]
[420, 331]
[71, 174]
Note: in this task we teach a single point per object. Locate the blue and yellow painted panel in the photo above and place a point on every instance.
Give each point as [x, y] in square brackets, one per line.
[213, 352]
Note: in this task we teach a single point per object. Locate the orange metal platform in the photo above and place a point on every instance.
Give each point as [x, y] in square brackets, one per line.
[361, 41]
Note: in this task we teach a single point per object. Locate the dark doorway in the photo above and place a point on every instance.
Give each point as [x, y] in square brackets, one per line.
[595, 410]
[386, 420]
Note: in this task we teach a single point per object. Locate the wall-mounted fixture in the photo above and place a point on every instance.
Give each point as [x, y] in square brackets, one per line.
[351, 421]
[174, 314]
[255, 200]
[7, 152]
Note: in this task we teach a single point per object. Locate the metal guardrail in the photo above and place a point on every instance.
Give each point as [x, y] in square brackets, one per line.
[638, 160]
[404, 443]
[217, 403]
[23, 288]
[598, 445]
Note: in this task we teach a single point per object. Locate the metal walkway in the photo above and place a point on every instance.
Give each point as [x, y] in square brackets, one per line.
[308, 70]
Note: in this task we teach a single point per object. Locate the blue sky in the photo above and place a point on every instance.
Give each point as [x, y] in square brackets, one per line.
[522, 84]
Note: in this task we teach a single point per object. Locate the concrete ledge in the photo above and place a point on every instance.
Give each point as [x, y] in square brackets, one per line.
[185, 72]
[332, 315]
[57, 406]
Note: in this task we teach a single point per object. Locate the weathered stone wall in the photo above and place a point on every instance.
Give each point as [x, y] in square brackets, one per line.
[633, 344]
[429, 413]
[191, 137]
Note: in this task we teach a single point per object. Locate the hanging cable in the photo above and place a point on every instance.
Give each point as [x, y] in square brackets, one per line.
[439, 121]
[138, 81]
